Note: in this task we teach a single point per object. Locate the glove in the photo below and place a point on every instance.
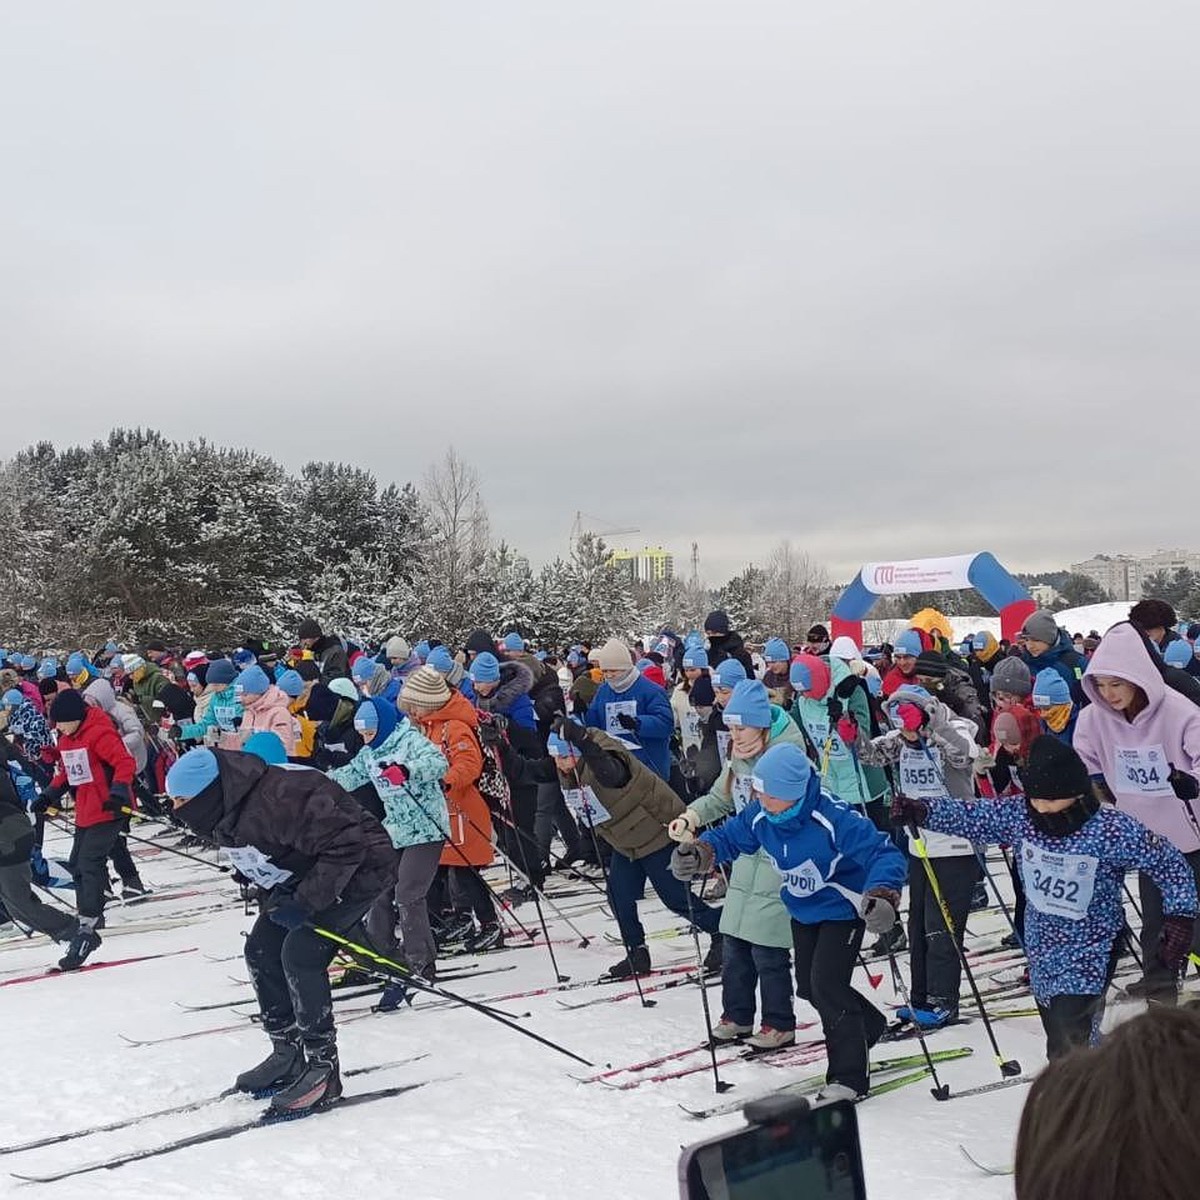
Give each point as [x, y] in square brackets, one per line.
[395, 773]
[835, 708]
[910, 716]
[683, 829]
[908, 811]
[847, 730]
[1183, 784]
[879, 909]
[627, 722]
[289, 913]
[690, 859]
[571, 732]
[985, 760]
[118, 798]
[1175, 941]
[489, 734]
[51, 797]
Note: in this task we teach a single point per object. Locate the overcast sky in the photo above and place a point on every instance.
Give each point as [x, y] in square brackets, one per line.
[890, 279]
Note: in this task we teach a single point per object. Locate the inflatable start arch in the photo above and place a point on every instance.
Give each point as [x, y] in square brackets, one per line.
[981, 571]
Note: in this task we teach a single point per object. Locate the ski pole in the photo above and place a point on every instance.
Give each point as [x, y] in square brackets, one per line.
[939, 1091]
[587, 812]
[171, 849]
[719, 1084]
[412, 979]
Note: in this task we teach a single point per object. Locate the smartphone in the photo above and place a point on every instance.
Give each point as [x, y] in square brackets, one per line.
[789, 1151]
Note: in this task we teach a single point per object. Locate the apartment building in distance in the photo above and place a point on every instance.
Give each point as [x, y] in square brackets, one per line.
[1122, 575]
[650, 564]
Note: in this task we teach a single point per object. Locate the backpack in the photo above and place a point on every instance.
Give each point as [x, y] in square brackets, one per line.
[492, 782]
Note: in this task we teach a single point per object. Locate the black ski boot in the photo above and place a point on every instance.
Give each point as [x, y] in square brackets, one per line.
[636, 962]
[83, 942]
[489, 937]
[280, 1069]
[894, 940]
[133, 887]
[320, 1084]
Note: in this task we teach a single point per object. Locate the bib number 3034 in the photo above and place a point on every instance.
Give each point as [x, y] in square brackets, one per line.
[1144, 769]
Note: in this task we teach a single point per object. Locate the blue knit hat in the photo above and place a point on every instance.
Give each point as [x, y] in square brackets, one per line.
[111, 647]
[485, 668]
[378, 716]
[644, 664]
[192, 773]
[749, 705]
[79, 664]
[907, 644]
[220, 671]
[776, 650]
[800, 677]
[252, 681]
[290, 684]
[48, 668]
[783, 773]
[421, 650]
[440, 660]
[875, 684]
[695, 638]
[13, 698]
[695, 657]
[729, 674]
[366, 717]
[268, 746]
[243, 658]
[574, 659]
[1178, 653]
[1050, 689]
[363, 669]
[514, 642]
[560, 747]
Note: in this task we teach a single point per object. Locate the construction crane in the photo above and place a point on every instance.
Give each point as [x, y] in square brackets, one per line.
[604, 529]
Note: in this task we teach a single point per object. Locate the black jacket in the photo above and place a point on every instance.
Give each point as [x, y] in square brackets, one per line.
[730, 645]
[331, 658]
[16, 832]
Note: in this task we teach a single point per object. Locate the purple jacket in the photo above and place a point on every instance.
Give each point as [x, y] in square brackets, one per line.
[1136, 756]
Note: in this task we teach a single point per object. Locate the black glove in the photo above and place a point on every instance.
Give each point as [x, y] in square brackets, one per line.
[627, 722]
[571, 732]
[51, 797]
[118, 798]
[908, 811]
[845, 689]
[836, 708]
[489, 734]
[1183, 784]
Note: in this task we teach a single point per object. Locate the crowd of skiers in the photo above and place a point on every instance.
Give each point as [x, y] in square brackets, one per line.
[824, 777]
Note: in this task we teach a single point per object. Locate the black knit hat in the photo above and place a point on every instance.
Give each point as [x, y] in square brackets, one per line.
[817, 633]
[1054, 771]
[308, 629]
[68, 706]
[931, 664]
[717, 622]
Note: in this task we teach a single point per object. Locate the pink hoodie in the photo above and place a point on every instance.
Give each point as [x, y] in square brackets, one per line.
[1135, 757]
[271, 715]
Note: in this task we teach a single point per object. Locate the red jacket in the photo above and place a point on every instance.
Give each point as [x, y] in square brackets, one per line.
[896, 679]
[89, 761]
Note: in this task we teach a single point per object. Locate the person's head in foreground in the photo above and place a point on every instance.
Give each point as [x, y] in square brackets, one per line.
[1118, 1122]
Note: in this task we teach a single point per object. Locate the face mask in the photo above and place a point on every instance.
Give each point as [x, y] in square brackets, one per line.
[778, 818]
[1064, 823]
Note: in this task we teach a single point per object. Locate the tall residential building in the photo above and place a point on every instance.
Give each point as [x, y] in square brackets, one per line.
[650, 564]
[1122, 575]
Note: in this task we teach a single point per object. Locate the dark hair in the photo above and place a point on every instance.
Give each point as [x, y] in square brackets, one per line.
[1117, 1121]
[1152, 614]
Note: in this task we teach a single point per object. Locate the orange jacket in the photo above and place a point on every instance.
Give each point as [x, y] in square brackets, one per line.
[452, 729]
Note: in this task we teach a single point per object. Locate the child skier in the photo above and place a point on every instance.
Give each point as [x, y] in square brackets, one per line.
[1074, 853]
[841, 876]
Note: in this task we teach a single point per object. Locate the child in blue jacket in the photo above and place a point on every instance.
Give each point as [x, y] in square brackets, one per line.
[1073, 854]
[841, 876]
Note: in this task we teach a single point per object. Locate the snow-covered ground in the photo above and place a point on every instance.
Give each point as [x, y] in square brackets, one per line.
[502, 1115]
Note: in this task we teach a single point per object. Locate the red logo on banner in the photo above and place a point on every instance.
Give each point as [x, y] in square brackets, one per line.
[885, 575]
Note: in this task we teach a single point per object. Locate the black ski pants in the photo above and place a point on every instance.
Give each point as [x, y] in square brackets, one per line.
[88, 865]
[825, 957]
[18, 897]
[936, 969]
[1164, 983]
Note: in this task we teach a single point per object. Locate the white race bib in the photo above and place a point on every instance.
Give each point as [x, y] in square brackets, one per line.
[920, 778]
[742, 790]
[690, 726]
[823, 735]
[77, 767]
[256, 866]
[1144, 770]
[585, 806]
[803, 881]
[723, 740]
[1059, 885]
[617, 708]
[225, 715]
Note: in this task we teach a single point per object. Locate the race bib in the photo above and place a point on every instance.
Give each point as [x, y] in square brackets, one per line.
[256, 866]
[1059, 885]
[803, 881]
[723, 740]
[225, 715]
[618, 708]
[77, 767]
[690, 726]
[742, 791]
[825, 739]
[921, 778]
[586, 807]
[1143, 770]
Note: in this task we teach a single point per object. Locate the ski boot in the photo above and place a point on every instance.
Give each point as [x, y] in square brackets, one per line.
[636, 962]
[319, 1084]
[726, 1030]
[84, 941]
[832, 1092]
[489, 937]
[280, 1069]
[455, 928]
[772, 1039]
[133, 887]
[894, 941]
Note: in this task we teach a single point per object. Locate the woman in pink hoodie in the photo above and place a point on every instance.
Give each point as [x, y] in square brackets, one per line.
[265, 708]
[1140, 741]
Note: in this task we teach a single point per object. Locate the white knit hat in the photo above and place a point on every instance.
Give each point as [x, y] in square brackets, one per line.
[613, 656]
[397, 647]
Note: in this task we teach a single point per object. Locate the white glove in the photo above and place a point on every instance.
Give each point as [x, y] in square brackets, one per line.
[683, 829]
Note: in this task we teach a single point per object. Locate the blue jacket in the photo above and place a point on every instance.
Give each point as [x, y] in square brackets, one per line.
[1075, 904]
[221, 714]
[828, 853]
[1066, 660]
[656, 722]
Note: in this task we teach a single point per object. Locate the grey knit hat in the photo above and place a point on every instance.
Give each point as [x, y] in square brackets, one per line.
[1013, 677]
[425, 690]
[1041, 626]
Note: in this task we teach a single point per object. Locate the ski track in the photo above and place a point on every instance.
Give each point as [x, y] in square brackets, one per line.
[511, 1120]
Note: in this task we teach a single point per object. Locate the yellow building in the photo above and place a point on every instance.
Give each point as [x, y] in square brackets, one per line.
[650, 564]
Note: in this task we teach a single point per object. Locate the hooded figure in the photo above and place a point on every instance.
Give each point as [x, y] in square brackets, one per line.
[100, 693]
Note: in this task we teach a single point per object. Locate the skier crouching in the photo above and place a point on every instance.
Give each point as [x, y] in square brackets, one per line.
[841, 876]
[322, 861]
